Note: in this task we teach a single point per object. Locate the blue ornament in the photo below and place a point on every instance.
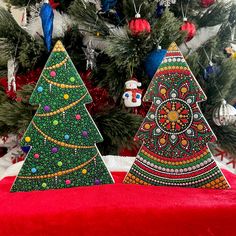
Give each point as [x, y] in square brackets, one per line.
[211, 70]
[25, 149]
[47, 16]
[153, 61]
[160, 10]
[108, 4]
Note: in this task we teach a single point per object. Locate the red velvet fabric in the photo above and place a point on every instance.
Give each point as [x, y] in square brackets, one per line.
[118, 209]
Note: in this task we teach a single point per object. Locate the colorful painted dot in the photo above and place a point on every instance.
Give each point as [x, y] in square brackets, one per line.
[68, 182]
[85, 134]
[53, 73]
[54, 150]
[97, 182]
[66, 96]
[33, 170]
[84, 171]
[40, 89]
[27, 139]
[44, 185]
[59, 163]
[47, 108]
[36, 155]
[72, 79]
[55, 122]
[66, 137]
[78, 117]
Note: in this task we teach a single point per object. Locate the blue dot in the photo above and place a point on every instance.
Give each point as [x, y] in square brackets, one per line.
[127, 95]
[66, 137]
[33, 170]
[40, 89]
[138, 96]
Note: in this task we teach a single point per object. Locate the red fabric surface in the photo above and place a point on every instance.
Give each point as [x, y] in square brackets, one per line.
[119, 209]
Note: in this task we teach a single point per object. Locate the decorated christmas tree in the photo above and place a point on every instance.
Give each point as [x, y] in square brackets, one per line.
[174, 132]
[62, 135]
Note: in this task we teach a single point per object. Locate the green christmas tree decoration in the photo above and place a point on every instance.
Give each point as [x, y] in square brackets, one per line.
[174, 132]
[62, 134]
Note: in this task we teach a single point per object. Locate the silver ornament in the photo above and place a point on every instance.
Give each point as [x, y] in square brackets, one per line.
[90, 55]
[167, 3]
[224, 115]
[12, 67]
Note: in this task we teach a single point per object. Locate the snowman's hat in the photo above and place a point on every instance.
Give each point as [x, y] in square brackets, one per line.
[133, 80]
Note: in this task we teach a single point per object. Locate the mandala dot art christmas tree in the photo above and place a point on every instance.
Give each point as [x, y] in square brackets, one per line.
[174, 132]
[62, 134]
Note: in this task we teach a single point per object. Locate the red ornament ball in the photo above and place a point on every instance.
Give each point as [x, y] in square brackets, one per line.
[139, 25]
[190, 28]
[207, 3]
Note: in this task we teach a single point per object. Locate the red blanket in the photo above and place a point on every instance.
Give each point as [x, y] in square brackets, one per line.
[120, 210]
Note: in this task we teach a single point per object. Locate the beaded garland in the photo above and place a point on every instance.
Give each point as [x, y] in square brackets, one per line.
[174, 132]
[62, 134]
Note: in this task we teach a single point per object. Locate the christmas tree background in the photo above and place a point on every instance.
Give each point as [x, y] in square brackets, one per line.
[174, 132]
[62, 135]
[119, 55]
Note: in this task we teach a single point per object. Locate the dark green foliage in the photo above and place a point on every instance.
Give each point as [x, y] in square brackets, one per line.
[86, 15]
[16, 42]
[117, 128]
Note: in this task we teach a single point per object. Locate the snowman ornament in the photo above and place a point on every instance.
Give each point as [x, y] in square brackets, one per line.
[132, 95]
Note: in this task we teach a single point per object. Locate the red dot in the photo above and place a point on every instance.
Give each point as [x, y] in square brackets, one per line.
[68, 182]
[36, 155]
[78, 117]
[53, 73]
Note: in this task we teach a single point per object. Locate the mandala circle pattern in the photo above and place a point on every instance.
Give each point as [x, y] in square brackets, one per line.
[174, 116]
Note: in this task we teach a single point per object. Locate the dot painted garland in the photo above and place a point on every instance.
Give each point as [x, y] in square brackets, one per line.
[174, 132]
[62, 134]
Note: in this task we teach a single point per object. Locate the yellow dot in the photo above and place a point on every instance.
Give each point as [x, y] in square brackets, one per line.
[27, 139]
[97, 34]
[84, 171]
[184, 90]
[163, 91]
[200, 127]
[147, 126]
[173, 116]
[66, 96]
[162, 141]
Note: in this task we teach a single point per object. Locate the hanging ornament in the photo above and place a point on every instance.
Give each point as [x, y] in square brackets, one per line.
[53, 4]
[160, 10]
[47, 16]
[90, 55]
[107, 5]
[167, 3]
[224, 115]
[132, 95]
[190, 28]
[211, 70]
[12, 67]
[153, 61]
[139, 25]
[207, 3]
